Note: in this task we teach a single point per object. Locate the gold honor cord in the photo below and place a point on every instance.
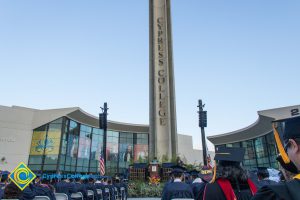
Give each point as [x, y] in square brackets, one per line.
[297, 177]
[282, 152]
[215, 173]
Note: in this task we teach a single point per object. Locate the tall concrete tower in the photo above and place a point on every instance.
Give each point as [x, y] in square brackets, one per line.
[163, 130]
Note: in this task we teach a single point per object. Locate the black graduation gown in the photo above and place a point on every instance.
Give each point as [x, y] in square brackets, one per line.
[265, 182]
[111, 192]
[40, 190]
[166, 185]
[91, 186]
[177, 190]
[122, 184]
[64, 187]
[286, 191]
[214, 192]
[1, 193]
[81, 188]
[2, 187]
[28, 193]
[100, 186]
[198, 189]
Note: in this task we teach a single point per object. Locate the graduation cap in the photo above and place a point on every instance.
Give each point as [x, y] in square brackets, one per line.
[4, 175]
[206, 174]
[194, 172]
[90, 179]
[4, 172]
[176, 169]
[290, 128]
[228, 156]
[285, 129]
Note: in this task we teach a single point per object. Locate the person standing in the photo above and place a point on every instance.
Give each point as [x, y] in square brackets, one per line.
[287, 137]
[128, 154]
[263, 177]
[230, 181]
[197, 184]
[177, 188]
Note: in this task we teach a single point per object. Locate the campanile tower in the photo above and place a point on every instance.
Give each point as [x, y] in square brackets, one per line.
[163, 130]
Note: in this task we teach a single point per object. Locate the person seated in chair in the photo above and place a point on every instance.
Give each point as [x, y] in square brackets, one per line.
[80, 187]
[12, 191]
[91, 186]
[66, 187]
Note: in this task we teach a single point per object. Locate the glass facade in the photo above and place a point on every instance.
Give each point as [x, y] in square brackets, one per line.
[259, 152]
[67, 146]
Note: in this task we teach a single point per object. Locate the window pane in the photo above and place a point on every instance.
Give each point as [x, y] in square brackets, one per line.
[50, 159]
[35, 159]
[35, 167]
[49, 167]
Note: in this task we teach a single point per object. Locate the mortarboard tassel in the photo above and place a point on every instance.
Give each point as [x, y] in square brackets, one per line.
[282, 152]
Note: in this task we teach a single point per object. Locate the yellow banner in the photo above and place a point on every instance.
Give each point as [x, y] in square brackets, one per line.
[40, 144]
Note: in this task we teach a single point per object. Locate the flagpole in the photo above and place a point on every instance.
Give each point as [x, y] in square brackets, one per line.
[103, 125]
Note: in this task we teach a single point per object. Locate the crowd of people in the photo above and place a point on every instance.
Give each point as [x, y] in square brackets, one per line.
[111, 188]
[230, 176]
[232, 182]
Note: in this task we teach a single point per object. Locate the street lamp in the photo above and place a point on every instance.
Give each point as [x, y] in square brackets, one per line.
[203, 123]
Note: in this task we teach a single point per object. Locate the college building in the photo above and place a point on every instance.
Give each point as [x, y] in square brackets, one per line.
[68, 140]
[257, 138]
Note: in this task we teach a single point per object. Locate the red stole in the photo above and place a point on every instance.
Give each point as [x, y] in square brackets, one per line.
[228, 190]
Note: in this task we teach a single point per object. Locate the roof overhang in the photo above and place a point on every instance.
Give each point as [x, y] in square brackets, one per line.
[262, 126]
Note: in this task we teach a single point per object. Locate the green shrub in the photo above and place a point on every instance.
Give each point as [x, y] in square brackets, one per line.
[143, 189]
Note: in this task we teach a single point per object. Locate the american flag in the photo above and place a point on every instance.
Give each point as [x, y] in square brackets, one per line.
[101, 165]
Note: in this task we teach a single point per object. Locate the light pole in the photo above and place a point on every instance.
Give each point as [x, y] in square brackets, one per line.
[202, 124]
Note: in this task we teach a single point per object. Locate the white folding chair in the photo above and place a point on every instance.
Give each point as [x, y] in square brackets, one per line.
[99, 192]
[77, 195]
[183, 199]
[116, 193]
[106, 190]
[41, 198]
[90, 193]
[123, 193]
[61, 196]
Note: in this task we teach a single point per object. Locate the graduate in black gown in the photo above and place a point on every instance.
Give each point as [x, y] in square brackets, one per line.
[91, 186]
[177, 188]
[197, 185]
[263, 177]
[230, 181]
[65, 186]
[3, 182]
[287, 137]
[79, 187]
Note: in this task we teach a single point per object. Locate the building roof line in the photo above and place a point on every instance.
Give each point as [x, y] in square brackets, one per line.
[236, 131]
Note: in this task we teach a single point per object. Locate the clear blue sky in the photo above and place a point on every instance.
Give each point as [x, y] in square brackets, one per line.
[237, 56]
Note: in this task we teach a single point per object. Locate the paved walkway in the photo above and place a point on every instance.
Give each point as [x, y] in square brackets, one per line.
[150, 198]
